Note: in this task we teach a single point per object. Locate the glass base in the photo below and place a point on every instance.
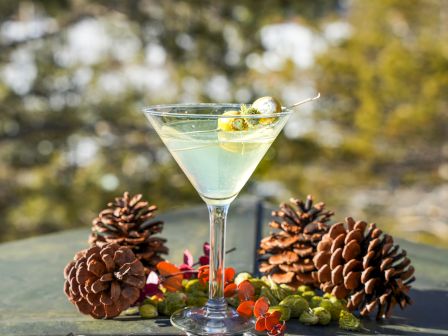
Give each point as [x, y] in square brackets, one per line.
[211, 321]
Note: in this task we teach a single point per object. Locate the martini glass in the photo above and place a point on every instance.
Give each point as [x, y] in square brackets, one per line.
[218, 163]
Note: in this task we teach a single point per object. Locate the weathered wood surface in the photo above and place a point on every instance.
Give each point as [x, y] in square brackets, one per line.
[32, 301]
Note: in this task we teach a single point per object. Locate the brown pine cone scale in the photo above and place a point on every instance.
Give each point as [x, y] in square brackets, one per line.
[102, 282]
[358, 262]
[287, 254]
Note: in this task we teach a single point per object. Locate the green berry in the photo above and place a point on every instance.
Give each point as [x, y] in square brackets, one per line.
[197, 293]
[341, 302]
[148, 311]
[284, 311]
[315, 301]
[195, 285]
[196, 300]
[323, 315]
[328, 296]
[153, 300]
[308, 317]
[296, 304]
[304, 288]
[309, 295]
[333, 307]
[172, 302]
[241, 277]
[289, 289]
[348, 321]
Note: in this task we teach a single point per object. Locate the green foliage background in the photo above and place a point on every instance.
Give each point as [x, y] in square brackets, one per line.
[375, 146]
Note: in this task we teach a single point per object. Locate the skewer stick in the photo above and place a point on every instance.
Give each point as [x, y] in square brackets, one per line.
[305, 101]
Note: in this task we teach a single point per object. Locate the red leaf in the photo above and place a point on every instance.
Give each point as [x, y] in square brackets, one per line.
[203, 274]
[278, 329]
[246, 291]
[173, 283]
[172, 277]
[272, 319]
[230, 290]
[245, 308]
[261, 307]
[260, 324]
[165, 268]
[229, 274]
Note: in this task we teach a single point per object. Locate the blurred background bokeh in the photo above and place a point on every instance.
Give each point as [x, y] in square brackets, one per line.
[75, 73]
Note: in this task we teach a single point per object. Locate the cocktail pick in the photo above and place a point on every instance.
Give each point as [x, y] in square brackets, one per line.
[304, 101]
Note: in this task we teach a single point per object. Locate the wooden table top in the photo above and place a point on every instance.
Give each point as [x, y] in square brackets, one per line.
[32, 301]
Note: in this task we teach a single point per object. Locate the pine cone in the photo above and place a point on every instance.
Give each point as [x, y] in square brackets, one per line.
[287, 255]
[102, 282]
[365, 267]
[129, 222]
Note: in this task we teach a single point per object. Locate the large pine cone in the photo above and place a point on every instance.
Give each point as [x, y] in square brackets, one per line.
[129, 222]
[102, 282]
[365, 267]
[287, 255]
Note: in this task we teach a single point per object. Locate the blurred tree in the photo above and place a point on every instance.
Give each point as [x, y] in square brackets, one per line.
[382, 120]
[74, 75]
[385, 87]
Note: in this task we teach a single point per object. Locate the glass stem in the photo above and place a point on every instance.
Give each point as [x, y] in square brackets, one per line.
[218, 217]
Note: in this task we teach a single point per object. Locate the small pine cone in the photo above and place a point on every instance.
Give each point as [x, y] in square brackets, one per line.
[129, 221]
[102, 282]
[358, 262]
[287, 255]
